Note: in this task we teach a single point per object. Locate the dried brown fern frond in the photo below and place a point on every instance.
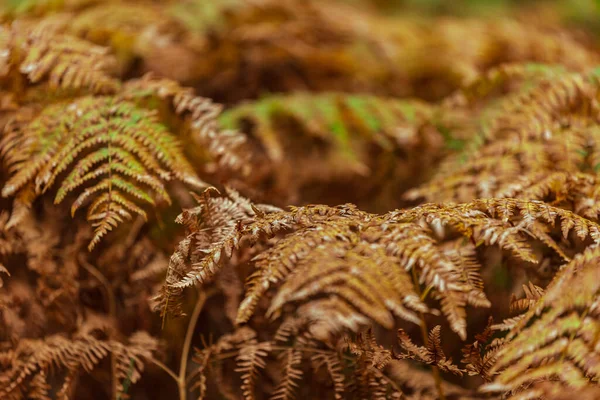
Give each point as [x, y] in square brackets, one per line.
[239, 355]
[209, 227]
[519, 306]
[349, 267]
[356, 368]
[34, 54]
[144, 36]
[371, 360]
[536, 142]
[207, 357]
[33, 359]
[557, 339]
[250, 360]
[333, 365]
[532, 294]
[480, 356]
[196, 120]
[379, 374]
[291, 375]
[138, 31]
[552, 390]
[476, 110]
[431, 354]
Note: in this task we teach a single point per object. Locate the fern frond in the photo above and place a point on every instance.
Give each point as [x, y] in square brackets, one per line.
[250, 361]
[532, 294]
[120, 152]
[337, 118]
[372, 359]
[536, 142]
[128, 28]
[64, 61]
[309, 139]
[144, 36]
[212, 228]
[431, 354]
[354, 264]
[196, 116]
[556, 391]
[205, 358]
[84, 351]
[480, 356]
[557, 339]
[368, 360]
[471, 220]
[68, 63]
[39, 387]
[291, 374]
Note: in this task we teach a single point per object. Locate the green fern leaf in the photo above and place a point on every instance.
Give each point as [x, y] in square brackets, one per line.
[119, 152]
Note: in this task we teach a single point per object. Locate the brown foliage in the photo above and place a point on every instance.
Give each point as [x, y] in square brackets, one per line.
[338, 238]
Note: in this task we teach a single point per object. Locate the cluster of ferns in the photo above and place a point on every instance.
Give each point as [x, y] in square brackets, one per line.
[280, 199]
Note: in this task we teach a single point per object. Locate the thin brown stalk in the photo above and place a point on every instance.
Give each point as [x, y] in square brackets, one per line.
[112, 312]
[424, 332]
[180, 378]
[187, 344]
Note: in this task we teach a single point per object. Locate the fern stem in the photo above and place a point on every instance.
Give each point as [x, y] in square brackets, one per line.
[426, 292]
[181, 378]
[187, 344]
[112, 312]
[438, 382]
[162, 366]
[423, 325]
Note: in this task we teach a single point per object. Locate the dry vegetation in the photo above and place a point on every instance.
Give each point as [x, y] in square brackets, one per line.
[278, 199]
